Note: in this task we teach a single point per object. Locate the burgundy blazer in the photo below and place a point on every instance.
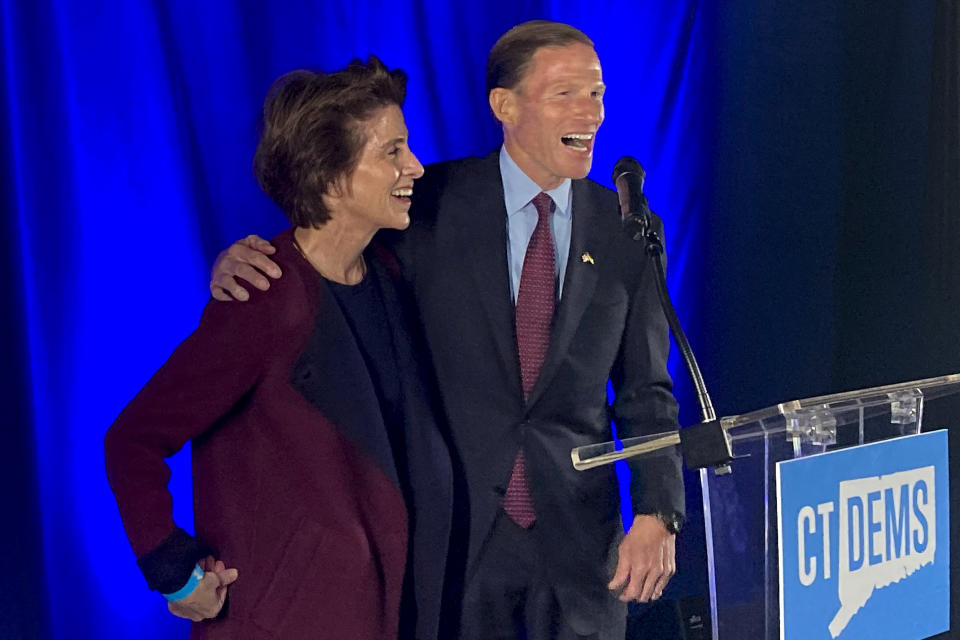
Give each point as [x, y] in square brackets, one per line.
[295, 483]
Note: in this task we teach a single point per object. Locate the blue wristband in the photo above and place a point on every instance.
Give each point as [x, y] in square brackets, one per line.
[195, 577]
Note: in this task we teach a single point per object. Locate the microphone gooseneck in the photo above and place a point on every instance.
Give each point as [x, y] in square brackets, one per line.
[628, 177]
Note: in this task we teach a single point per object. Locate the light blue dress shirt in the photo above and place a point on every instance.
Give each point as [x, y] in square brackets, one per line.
[518, 193]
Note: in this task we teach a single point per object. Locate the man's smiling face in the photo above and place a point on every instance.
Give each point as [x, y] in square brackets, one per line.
[551, 118]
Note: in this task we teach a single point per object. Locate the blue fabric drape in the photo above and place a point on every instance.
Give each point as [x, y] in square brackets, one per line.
[128, 131]
[803, 157]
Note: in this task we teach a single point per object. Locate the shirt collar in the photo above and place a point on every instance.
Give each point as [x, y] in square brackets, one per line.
[519, 189]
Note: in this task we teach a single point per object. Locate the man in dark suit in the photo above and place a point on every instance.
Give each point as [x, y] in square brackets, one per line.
[532, 298]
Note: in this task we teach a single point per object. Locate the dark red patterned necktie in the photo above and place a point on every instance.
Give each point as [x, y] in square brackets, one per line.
[536, 301]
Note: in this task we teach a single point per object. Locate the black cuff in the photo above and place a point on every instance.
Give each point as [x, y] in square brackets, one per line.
[167, 567]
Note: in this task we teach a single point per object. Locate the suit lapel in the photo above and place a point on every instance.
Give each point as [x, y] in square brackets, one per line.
[482, 223]
[580, 280]
[332, 375]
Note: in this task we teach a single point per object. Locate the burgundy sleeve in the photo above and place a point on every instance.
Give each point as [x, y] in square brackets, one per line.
[205, 376]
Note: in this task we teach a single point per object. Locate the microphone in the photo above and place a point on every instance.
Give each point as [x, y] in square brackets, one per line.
[706, 444]
[628, 178]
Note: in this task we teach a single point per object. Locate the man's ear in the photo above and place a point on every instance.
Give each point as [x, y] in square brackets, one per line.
[503, 103]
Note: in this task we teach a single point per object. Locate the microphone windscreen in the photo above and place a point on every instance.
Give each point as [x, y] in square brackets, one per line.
[627, 164]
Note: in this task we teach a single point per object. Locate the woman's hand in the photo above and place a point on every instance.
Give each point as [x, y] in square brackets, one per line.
[207, 599]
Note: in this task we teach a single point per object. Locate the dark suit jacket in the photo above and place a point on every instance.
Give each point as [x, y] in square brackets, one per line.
[295, 482]
[609, 326]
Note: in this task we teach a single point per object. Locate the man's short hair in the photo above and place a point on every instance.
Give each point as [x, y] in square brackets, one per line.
[511, 56]
[312, 132]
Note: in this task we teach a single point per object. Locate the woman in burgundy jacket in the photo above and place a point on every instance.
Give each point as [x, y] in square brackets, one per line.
[322, 485]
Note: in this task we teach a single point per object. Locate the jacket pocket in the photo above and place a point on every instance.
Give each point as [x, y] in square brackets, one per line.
[296, 561]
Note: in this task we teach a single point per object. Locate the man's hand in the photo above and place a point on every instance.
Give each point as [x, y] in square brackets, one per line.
[646, 560]
[246, 259]
[207, 599]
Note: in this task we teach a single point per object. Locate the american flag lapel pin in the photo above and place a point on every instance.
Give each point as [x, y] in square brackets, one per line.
[586, 257]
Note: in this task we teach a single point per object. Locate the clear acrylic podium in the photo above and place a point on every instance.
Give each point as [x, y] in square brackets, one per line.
[739, 499]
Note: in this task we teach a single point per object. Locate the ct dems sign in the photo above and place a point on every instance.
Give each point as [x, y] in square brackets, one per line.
[864, 542]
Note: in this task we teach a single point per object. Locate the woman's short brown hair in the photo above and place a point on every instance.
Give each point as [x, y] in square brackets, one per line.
[511, 55]
[312, 135]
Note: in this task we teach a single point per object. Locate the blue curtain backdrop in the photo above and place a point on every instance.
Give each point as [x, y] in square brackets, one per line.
[128, 130]
[805, 158]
